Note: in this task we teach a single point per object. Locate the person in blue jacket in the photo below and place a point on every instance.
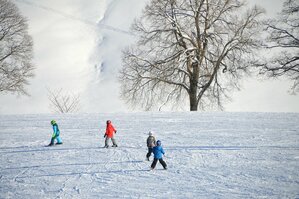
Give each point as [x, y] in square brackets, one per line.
[56, 134]
[158, 153]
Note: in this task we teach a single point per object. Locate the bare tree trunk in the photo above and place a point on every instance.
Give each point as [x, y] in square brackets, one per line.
[193, 97]
[193, 87]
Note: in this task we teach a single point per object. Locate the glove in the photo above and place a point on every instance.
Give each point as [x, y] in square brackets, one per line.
[104, 135]
[114, 131]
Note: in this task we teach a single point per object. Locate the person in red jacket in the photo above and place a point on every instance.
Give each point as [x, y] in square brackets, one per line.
[110, 130]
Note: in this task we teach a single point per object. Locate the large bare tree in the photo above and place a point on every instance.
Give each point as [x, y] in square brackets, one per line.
[15, 50]
[283, 42]
[194, 50]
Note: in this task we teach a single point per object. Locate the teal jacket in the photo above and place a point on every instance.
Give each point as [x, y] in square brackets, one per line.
[56, 131]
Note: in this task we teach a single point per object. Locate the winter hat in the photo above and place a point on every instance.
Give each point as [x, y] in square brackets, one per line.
[158, 143]
[150, 133]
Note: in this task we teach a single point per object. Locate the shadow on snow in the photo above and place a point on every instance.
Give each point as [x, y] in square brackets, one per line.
[82, 173]
[73, 164]
[173, 148]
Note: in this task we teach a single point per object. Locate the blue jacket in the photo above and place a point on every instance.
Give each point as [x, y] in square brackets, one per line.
[56, 131]
[158, 152]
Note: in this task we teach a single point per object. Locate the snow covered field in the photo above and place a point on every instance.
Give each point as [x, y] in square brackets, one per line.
[209, 155]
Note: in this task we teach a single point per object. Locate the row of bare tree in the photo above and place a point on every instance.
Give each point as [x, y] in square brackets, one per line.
[192, 51]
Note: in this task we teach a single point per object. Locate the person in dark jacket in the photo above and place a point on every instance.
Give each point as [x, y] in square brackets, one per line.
[56, 134]
[158, 153]
[150, 142]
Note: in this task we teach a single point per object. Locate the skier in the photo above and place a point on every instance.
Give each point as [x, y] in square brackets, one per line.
[110, 130]
[150, 142]
[55, 134]
[158, 153]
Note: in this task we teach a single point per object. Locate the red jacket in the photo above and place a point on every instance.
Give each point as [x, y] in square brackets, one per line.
[110, 130]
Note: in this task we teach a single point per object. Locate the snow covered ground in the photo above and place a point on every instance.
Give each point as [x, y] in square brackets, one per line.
[209, 155]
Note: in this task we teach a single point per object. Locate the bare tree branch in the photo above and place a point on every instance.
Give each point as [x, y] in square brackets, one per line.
[62, 102]
[283, 43]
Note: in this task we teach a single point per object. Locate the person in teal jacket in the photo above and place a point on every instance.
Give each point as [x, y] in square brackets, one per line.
[56, 134]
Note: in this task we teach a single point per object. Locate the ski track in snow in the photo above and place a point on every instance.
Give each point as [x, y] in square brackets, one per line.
[209, 155]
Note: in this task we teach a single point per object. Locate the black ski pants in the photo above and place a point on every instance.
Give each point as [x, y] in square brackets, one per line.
[161, 161]
[150, 150]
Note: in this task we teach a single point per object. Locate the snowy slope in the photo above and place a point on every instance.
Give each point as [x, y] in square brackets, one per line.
[209, 155]
[102, 92]
[77, 47]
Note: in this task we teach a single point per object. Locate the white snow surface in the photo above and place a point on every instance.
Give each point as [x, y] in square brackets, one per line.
[209, 155]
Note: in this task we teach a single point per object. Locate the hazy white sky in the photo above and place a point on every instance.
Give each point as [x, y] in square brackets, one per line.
[70, 44]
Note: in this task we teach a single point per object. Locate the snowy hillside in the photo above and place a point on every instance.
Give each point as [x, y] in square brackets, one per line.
[209, 155]
[77, 48]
